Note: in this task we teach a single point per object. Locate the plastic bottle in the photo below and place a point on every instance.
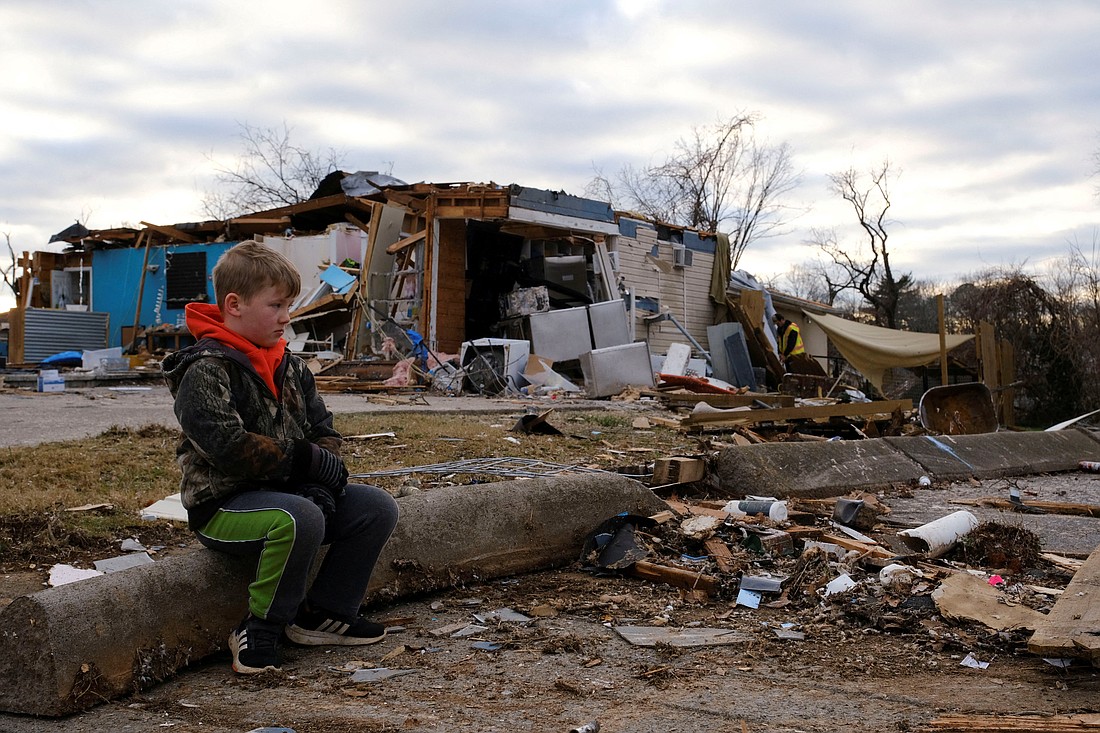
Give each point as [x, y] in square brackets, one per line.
[774, 510]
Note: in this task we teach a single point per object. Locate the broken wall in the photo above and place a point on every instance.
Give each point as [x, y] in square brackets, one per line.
[660, 284]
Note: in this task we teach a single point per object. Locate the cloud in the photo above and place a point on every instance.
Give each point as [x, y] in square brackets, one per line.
[121, 110]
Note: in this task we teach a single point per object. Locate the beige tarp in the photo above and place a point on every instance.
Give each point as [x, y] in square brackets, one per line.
[873, 349]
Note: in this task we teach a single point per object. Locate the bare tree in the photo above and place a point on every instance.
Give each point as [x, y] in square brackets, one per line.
[815, 280]
[866, 269]
[270, 172]
[720, 178]
[11, 282]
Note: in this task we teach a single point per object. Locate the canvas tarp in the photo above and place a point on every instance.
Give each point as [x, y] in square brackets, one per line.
[872, 350]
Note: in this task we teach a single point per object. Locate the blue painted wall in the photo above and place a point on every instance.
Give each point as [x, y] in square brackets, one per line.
[116, 280]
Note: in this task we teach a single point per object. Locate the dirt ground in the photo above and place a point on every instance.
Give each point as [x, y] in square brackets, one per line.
[873, 658]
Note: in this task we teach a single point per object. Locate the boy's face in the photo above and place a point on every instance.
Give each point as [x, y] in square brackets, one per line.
[262, 318]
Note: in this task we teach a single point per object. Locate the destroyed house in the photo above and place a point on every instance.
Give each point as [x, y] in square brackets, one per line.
[441, 259]
[392, 268]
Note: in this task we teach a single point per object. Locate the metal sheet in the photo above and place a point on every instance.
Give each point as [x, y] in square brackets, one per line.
[48, 332]
[560, 335]
[609, 371]
[608, 323]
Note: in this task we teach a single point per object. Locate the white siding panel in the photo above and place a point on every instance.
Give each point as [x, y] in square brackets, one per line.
[683, 292]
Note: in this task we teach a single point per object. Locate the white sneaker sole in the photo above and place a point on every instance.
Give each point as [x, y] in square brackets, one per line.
[307, 637]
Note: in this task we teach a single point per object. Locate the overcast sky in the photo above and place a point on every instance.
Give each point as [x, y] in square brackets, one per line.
[116, 112]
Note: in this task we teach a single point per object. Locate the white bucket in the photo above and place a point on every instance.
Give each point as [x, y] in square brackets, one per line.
[939, 536]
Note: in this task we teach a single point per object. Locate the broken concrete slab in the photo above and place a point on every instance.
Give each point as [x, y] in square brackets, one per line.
[83, 643]
[460, 533]
[79, 644]
[992, 455]
[937, 457]
[812, 470]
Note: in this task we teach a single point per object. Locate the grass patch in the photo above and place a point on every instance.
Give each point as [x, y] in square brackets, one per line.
[130, 469]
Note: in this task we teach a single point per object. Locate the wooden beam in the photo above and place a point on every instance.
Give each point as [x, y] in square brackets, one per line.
[805, 412]
[861, 547]
[1052, 507]
[325, 202]
[331, 301]
[260, 221]
[406, 242]
[676, 577]
[131, 348]
[1001, 723]
[943, 338]
[171, 232]
[720, 551]
[353, 219]
[722, 401]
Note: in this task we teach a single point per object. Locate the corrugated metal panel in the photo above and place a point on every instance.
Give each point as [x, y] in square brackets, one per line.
[49, 332]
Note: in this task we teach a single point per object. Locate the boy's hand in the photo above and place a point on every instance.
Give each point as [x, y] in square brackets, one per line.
[320, 466]
[320, 496]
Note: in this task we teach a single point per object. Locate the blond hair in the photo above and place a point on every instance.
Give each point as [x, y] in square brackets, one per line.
[249, 267]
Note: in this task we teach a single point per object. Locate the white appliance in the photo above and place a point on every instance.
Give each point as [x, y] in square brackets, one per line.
[494, 365]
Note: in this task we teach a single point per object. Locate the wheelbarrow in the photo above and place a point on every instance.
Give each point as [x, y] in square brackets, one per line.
[958, 409]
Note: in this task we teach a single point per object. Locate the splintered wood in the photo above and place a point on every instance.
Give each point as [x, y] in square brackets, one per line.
[1016, 723]
[1072, 628]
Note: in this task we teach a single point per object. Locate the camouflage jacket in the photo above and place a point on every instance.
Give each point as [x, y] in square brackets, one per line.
[237, 435]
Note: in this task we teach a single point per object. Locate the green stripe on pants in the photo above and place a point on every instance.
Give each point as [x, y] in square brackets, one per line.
[275, 529]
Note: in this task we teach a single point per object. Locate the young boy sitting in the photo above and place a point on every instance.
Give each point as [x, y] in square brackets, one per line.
[261, 466]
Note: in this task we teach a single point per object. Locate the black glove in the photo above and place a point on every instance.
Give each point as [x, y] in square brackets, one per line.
[320, 496]
[313, 464]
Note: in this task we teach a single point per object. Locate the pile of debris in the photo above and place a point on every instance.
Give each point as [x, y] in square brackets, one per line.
[954, 584]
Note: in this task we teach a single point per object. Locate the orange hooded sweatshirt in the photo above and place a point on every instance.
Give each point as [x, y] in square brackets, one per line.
[204, 320]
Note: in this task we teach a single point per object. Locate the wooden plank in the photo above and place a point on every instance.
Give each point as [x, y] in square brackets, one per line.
[260, 221]
[331, 301]
[720, 551]
[1070, 564]
[1072, 628]
[849, 544]
[471, 212]
[1007, 396]
[171, 232]
[723, 401]
[1052, 507]
[689, 509]
[676, 577]
[1002, 723]
[987, 343]
[353, 219]
[449, 312]
[406, 242]
[804, 412]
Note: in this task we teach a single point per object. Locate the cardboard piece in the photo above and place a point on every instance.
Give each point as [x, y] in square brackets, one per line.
[969, 596]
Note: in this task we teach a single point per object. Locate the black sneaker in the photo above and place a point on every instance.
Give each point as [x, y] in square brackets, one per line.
[255, 647]
[317, 628]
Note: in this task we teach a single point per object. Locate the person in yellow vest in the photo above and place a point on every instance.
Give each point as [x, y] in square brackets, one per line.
[790, 340]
